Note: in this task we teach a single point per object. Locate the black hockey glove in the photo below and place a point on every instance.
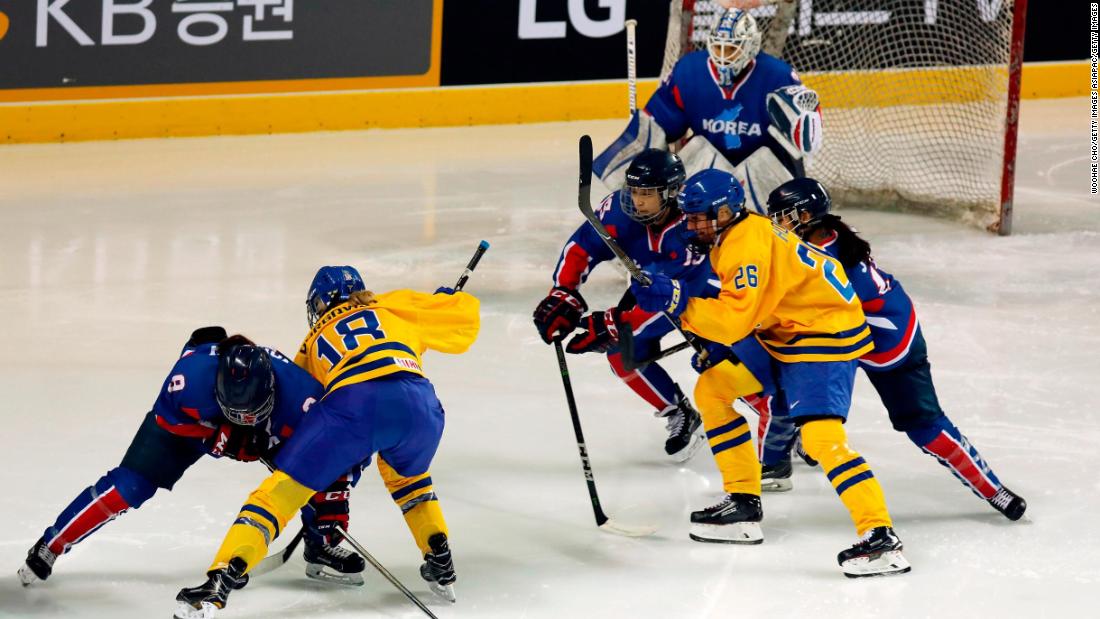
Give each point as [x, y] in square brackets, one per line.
[240, 443]
[558, 314]
[600, 332]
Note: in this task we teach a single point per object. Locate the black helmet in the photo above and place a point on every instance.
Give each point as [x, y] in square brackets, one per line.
[245, 386]
[797, 196]
[653, 168]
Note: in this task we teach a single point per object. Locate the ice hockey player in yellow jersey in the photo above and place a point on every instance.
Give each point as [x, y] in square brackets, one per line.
[799, 305]
[366, 350]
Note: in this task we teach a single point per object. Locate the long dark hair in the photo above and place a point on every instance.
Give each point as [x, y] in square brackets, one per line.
[850, 246]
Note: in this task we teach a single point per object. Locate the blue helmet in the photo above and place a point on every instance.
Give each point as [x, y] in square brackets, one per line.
[657, 169]
[705, 193]
[797, 196]
[330, 287]
[245, 383]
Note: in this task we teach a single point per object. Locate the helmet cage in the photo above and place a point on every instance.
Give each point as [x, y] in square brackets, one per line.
[246, 416]
[667, 194]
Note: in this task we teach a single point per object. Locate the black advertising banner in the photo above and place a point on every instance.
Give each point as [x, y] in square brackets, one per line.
[508, 41]
[77, 43]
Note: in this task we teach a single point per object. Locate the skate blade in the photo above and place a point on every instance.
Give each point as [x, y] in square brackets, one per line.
[687, 452]
[187, 611]
[887, 564]
[27, 575]
[319, 572]
[447, 592]
[628, 530]
[738, 533]
[776, 485]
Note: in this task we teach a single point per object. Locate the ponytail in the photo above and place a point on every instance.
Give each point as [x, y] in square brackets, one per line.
[852, 249]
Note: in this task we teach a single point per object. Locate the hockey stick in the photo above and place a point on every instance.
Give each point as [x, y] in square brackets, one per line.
[584, 203]
[384, 572]
[626, 348]
[632, 64]
[482, 247]
[602, 521]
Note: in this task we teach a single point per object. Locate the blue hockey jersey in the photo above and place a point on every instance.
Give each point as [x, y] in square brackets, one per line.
[734, 119]
[187, 406]
[890, 312]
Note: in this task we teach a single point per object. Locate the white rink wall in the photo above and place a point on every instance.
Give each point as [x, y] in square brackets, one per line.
[111, 253]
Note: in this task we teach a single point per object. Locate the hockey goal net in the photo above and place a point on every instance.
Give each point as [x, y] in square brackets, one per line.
[919, 97]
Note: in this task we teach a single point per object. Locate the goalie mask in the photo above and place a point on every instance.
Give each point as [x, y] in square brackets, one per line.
[713, 201]
[330, 287]
[652, 182]
[733, 43]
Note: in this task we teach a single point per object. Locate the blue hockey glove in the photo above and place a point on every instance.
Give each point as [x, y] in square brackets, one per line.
[444, 290]
[664, 294]
[600, 333]
[715, 353]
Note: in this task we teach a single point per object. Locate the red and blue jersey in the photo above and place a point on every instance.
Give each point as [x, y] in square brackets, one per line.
[656, 248]
[187, 406]
[890, 312]
[735, 118]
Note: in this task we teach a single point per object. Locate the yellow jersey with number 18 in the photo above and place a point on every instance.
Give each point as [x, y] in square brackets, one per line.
[356, 343]
[794, 296]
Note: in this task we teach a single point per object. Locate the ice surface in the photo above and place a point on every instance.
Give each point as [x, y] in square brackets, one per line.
[111, 253]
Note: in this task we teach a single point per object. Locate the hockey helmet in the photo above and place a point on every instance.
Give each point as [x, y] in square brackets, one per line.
[702, 199]
[655, 169]
[331, 286]
[789, 201]
[245, 384]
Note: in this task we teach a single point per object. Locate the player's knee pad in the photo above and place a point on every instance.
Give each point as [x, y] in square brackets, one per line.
[133, 487]
[273, 504]
[727, 382]
[825, 440]
[927, 430]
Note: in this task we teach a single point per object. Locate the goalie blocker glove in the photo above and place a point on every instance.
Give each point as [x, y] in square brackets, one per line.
[559, 313]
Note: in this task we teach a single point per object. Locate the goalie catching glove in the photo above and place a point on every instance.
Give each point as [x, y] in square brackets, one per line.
[795, 119]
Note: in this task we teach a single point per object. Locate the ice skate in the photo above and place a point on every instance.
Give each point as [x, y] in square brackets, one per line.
[203, 601]
[878, 553]
[39, 563]
[438, 568]
[776, 478]
[736, 520]
[1009, 503]
[685, 434]
[333, 564]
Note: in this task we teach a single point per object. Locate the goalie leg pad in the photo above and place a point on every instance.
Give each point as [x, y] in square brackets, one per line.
[641, 132]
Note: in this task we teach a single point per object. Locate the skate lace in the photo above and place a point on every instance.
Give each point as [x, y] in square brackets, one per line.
[721, 504]
[1001, 499]
[337, 552]
[675, 422]
[46, 554]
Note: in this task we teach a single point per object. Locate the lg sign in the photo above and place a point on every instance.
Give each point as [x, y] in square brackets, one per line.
[531, 28]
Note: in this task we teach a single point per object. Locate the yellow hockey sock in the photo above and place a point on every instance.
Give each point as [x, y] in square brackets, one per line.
[825, 441]
[415, 496]
[261, 520]
[728, 433]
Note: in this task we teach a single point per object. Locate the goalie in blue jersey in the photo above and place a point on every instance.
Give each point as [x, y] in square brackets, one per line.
[225, 397]
[748, 112]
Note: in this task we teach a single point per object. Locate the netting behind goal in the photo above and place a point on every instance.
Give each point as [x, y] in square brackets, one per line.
[914, 95]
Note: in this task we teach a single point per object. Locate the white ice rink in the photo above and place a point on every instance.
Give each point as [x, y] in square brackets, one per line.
[111, 253]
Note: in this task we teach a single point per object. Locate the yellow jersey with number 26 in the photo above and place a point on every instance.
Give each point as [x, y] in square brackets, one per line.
[794, 296]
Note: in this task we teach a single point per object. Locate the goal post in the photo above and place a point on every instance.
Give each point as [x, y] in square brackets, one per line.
[920, 98]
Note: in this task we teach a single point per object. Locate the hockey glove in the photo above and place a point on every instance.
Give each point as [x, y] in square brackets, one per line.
[601, 332]
[444, 290]
[241, 443]
[558, 314]
[664, 294]
[330, 508]
[795, 119]
[715, 353]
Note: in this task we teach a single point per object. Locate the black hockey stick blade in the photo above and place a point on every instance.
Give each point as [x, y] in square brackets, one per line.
[275, 561]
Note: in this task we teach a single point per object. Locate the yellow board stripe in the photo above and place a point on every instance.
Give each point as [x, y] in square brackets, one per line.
[165, 116]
